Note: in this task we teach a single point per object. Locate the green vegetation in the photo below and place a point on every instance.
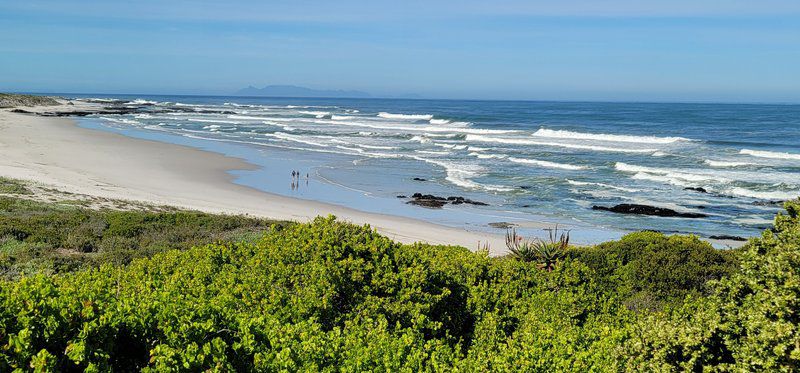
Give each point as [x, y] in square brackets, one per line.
[51, 238]
[10, 186]
[9, 100]
[331, 296]
[545, 253]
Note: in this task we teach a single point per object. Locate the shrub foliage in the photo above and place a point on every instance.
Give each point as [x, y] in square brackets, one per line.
[331, 296]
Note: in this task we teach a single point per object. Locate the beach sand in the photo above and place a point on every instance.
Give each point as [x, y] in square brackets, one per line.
[56, 152]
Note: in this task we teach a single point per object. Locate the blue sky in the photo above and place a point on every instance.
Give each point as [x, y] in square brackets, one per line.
[679, 50]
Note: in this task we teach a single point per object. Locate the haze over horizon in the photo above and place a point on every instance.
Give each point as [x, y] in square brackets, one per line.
[722, 51]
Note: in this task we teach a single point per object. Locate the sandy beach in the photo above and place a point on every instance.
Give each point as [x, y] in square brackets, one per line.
[58, 153]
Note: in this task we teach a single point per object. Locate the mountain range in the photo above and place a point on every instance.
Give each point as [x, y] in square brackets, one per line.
[296, 91]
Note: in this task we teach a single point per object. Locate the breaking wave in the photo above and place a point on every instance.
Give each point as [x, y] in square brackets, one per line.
[721, 164]
[768, 154]
[562, 134]
[547, 164]
[518, 141]
[405, 116]
[608, 186]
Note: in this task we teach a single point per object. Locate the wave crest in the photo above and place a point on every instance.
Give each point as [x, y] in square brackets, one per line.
[769, 154]
[562, 134]
[386, 115]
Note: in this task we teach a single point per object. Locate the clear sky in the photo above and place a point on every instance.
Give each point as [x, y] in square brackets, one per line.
[677, 50]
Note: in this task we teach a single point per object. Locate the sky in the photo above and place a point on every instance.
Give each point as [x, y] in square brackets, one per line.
[606, 50]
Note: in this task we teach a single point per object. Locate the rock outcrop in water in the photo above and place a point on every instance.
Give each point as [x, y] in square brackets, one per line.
[727, 237]
[431, 201]
[634, 209]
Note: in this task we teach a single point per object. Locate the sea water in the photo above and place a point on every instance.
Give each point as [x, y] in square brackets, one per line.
[545, 162]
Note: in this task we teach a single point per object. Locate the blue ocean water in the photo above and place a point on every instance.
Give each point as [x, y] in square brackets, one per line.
[530, 161]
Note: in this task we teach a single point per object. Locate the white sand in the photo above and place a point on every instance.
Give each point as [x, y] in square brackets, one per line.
[56, 152]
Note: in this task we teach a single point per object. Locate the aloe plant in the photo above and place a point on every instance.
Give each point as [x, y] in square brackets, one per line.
[545, 253]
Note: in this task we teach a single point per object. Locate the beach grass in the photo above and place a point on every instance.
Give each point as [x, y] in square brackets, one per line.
[63, 236]
[10, 100]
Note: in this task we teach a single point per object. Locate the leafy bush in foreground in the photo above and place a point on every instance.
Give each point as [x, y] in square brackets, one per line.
[649, 268]
[330, 296]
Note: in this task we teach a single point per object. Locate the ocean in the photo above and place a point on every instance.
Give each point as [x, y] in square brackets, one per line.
[548, 162]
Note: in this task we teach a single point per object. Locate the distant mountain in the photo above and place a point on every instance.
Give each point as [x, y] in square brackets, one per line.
[295, 91]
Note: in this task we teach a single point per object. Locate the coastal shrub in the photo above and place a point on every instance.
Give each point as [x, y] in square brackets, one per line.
[332, 296]
[650, 268]
[9, 186]
[750, 321]
[57, 237]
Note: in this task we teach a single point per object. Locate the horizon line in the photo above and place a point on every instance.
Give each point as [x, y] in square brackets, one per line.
[434, 99]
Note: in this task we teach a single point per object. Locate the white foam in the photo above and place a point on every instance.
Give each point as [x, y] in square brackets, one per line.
[773, 195]
[585, 183]
[211, 121]
[769, 154]
[420, 139]
[519, 141]
[317, 114]
[438, 121]
[294, 138]
[139, 101]
[488, 156]
[547, 164]
[247, 117]
[441, 135]
[405, 116]
[461, 175]
[753, 221]
[714, 163]
[122, 120]
[671, 174]
[661, 179]
[377, 147]
[562, 134]
[714, 176]
[451, 146]
[342, 117]
[432, 152]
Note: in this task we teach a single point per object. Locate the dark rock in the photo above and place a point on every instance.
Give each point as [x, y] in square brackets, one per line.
[429, 203]
[524, 187]
[502, 225]
[427, 196]
[696, 189]
[768, 203]
[727, 237]
[627, 208]
[419, 179]
[20, 111]
[401, 196]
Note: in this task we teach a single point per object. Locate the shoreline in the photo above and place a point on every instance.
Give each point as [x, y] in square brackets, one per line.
[119, 166]
[59, 153]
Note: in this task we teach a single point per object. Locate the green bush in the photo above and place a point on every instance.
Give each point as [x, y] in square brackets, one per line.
[648, 269]
[331, 296]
